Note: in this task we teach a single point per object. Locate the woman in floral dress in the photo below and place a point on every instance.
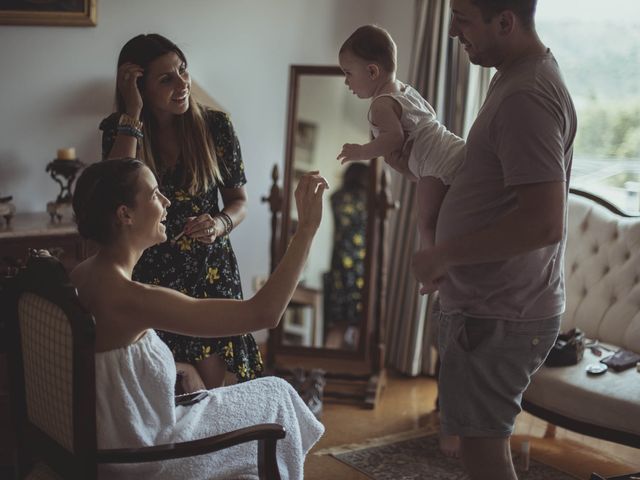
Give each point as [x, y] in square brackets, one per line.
[344, 283]
[195, 155]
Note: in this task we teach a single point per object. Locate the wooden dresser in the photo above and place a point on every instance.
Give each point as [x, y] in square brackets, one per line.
[35, 230]
[31, 230]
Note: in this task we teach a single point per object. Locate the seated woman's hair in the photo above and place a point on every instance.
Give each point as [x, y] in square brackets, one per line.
[100, 190]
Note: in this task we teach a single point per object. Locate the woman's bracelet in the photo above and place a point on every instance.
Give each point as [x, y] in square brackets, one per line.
[130, 131]
[130, 126]
[226, 221]
[125, 120]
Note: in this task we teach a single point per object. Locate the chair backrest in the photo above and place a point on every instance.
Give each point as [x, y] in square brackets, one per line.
[602, 272]
[52, 371]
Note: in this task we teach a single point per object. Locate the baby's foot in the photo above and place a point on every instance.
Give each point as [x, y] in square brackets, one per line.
[450, 445]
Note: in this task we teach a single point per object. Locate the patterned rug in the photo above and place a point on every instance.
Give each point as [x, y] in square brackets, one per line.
[416, 455]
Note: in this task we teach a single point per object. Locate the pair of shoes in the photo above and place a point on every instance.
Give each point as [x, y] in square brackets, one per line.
[350, 339]
[310, 387]
[313, 390]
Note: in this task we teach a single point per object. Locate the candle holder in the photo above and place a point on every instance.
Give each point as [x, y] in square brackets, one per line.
[64, 173]
[7, 209]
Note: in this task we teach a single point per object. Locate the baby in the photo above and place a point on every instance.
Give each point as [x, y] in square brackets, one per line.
[404, 126]
[406, 133]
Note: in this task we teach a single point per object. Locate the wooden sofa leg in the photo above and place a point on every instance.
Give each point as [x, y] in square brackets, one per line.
[550, 432]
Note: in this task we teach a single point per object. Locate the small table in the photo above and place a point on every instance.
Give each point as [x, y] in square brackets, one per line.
[308, 301]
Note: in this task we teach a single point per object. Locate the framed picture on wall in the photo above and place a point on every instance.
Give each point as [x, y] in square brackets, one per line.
[48, 12]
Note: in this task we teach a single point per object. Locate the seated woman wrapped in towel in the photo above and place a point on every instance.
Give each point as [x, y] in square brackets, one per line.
[118, 205]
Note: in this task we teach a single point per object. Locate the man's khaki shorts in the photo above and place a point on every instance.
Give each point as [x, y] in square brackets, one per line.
[486, 365]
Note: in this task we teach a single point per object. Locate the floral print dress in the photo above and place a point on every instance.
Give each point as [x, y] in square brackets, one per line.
[194, 268]
[344, 283]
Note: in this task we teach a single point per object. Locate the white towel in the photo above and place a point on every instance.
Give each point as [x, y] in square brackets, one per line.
[135, 407]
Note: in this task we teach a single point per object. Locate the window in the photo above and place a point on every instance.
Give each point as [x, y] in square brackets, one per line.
[597, 45]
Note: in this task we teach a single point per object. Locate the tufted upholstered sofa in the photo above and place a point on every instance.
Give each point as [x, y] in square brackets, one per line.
[602, 275]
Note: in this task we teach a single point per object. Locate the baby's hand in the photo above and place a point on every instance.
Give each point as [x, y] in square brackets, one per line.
[350, 152]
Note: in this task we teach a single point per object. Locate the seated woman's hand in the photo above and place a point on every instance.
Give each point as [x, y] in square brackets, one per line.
[309, 200]
[189, 377]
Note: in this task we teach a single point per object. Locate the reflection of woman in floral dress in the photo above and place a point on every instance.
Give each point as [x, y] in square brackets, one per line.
[196, 156]
[345, 282]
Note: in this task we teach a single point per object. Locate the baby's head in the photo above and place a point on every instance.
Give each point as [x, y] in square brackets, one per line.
[368, 58]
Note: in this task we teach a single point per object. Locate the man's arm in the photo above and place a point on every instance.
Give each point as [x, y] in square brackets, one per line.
[536, 222]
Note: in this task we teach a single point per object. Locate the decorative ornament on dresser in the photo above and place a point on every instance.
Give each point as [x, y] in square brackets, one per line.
[63, 169]
[7, 209]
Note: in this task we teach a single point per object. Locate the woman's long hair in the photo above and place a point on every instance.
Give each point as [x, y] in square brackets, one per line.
[201, 166]
[356, 177]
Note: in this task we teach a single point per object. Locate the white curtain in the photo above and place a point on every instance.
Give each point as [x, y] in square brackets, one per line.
[441, 72]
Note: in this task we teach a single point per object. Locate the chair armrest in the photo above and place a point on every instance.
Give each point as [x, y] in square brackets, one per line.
[265, 432]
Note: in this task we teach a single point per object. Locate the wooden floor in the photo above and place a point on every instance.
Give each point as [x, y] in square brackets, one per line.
[408, 404]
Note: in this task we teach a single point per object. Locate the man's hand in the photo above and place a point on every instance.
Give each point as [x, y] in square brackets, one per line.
[429, 269]
[399, 161]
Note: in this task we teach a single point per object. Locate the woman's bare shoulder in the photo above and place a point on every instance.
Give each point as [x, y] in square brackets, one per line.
[78, 274]
[100, 286]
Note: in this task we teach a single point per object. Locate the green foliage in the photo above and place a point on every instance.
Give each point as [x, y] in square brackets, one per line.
[609, 130]
[599, 60]
[601, 65]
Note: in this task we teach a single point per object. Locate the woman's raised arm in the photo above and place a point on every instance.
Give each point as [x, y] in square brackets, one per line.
[165, 309]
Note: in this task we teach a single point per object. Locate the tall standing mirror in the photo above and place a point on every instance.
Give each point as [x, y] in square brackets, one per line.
[328, 115]
[331, 322]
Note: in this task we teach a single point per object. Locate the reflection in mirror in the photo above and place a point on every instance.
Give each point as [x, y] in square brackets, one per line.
[327, 310]
[344, 281]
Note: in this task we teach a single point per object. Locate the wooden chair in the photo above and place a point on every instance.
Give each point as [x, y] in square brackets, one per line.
[52, 379]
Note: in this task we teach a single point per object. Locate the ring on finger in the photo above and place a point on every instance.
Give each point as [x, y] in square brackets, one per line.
[210, 231]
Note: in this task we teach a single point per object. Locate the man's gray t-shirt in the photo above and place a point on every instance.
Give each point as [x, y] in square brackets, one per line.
[523, 134]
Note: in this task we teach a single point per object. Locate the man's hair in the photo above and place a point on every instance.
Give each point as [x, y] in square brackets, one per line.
[374, 44]
[524, 9]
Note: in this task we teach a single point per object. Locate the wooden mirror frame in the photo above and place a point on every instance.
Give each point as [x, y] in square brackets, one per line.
[365, 363]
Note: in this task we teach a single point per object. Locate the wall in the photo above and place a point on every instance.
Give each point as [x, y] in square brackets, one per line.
[58, 82]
